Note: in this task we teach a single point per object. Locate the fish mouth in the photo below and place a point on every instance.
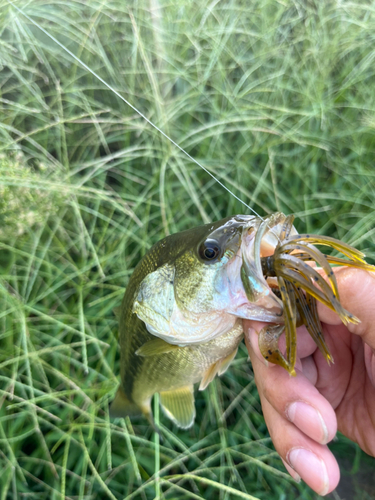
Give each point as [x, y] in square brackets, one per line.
[258, 243]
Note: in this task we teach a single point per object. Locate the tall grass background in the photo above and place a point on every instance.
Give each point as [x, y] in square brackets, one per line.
[274, 98]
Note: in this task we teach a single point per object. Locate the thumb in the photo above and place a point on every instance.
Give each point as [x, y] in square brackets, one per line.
[357, 295]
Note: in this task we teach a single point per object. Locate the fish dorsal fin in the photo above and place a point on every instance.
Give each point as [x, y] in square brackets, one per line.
[179, 406]
[225, 362]
[117, 312]
[121, 406]
[156, 346]
[219, 367]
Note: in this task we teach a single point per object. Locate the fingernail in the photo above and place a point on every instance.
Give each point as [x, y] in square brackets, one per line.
[252, 336]
[311, 469]
[309, 420]
[292, 472]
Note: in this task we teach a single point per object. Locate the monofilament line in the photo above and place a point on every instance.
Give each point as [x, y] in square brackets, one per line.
[131, 106]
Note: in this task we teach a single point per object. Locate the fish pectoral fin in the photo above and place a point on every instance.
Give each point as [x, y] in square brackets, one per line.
[225, 362]
[217, 368]
[121, 406]
[179, 406]
[156, 346]
[209, 375]
[117, 312]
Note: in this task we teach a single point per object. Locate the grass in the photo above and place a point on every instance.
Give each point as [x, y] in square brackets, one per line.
[275, 99]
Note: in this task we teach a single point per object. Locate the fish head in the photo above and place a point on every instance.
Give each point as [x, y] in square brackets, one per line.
[213, 279]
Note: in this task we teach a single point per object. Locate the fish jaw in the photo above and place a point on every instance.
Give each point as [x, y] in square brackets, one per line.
[230, 290]
[251, 295]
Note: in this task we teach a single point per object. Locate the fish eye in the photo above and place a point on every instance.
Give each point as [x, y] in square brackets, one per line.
[209, 250]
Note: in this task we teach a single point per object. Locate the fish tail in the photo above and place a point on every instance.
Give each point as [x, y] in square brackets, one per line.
[122, 406]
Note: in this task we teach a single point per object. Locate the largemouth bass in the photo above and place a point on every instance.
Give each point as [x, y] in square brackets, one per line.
[180, 321]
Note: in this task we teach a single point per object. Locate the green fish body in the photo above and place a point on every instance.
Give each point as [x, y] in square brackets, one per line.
[180, 321]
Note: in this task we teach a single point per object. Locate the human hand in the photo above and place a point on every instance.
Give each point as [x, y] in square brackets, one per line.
[303, 413]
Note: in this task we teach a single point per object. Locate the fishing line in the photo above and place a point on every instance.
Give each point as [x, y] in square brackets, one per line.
[132, 107]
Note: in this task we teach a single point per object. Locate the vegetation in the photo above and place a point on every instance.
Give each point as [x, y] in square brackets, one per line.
[274, 98]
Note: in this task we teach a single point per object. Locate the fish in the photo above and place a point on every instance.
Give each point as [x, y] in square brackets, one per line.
[180, 321]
